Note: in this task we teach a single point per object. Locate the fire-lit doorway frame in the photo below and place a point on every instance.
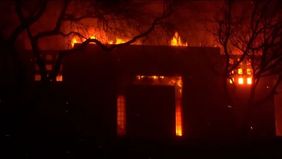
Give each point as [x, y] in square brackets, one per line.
[175, 81]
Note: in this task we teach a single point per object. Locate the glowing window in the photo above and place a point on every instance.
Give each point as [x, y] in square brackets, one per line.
[121, 115]
[240, 80]
[249, 80]
[249, 71]
[49, 67]
[155, 77]
[37, 77]
[59, 78]
[49, 57]
[230, 81]
[231, 61]
[240, 71]
[138, 77]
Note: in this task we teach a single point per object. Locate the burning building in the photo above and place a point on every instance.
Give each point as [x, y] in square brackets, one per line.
[144, 91]
[135, 72]
[159, 92]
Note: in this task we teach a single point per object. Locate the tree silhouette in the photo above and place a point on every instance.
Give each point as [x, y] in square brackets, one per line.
[255, 33]
[73, 12]
[29, 23]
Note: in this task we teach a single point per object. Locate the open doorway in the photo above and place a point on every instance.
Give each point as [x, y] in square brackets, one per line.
[151, 106]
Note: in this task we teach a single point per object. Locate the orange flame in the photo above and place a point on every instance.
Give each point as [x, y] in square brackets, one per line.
[120, 41]
[178, 120]
[73, 41]
[176, 40]
[92, 37]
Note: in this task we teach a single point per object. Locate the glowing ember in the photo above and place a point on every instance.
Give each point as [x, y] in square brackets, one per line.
[176, 40]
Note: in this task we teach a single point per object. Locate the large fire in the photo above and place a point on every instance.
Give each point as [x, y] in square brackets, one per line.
[175, 40]
[76, 40]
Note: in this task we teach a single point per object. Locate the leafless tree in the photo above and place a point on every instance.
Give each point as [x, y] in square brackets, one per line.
[108, 14]
[29, 23]
[255, 32]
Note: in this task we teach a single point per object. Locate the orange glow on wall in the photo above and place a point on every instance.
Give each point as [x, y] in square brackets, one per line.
[241, 80]
[121, 115]
[176, 40]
